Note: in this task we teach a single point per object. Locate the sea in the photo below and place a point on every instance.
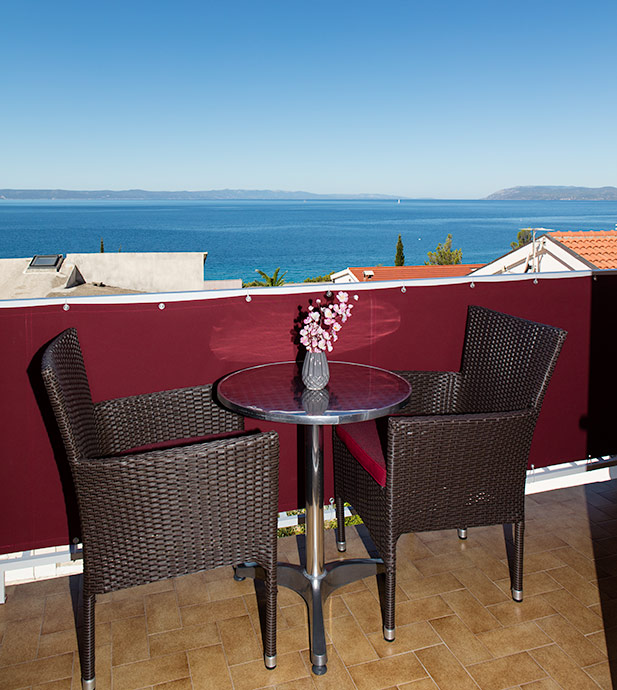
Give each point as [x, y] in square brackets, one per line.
[305, 239]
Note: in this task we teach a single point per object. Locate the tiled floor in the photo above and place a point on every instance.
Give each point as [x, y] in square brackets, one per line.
[456, 624]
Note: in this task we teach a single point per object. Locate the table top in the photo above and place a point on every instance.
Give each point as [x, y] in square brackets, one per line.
[275, 392]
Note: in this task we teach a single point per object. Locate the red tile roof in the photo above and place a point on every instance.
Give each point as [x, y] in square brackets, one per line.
[599, 247]
[414, 272]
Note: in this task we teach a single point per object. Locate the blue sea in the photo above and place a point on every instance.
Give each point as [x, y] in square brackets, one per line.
[306, 239]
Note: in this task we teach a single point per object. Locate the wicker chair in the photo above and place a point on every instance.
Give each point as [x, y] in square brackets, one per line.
[167, 484]
[461, 460]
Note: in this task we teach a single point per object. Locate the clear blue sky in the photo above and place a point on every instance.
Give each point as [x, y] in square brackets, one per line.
[414, 98]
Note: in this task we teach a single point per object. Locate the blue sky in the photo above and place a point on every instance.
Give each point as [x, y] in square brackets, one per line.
[439, 99]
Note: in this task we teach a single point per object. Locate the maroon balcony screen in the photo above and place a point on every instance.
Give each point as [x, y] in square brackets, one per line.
[132, 348]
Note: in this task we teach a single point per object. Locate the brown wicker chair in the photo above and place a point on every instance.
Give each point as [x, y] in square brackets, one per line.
[167, 484]
[461, 460]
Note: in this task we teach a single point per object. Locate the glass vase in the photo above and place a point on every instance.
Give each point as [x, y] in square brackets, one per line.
[315, 371]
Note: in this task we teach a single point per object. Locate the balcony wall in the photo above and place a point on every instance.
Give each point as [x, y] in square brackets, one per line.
[136, 344]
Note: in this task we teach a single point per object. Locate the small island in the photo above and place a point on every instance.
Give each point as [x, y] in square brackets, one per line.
[555, 193]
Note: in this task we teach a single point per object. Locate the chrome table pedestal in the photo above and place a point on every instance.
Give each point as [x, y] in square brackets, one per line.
[315, 581]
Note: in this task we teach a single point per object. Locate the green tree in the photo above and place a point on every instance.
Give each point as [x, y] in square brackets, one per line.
[399, 259]
[102, 246]
[319, 279]
[444, 254]
[268, 281]
[524, 237]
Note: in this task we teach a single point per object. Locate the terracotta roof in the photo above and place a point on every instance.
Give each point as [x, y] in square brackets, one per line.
[413, 272]
[599, 247]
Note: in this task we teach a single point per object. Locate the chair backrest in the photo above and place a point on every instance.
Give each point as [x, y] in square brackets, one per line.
[507, 361]
[66, 382]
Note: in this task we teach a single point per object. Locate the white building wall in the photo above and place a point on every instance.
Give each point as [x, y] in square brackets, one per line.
[143, 271]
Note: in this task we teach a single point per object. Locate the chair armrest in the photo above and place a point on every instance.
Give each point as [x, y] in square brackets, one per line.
[139, 420]
[432, 392]
[454, 460]
[161, 513]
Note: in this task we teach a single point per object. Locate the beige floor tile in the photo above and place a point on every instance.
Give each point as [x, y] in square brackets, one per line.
[494, 568]
[188, 637]
[476, 617]
[215, 610]
[151, 672]
[514, 638]
[601, 673]
[209, 670]
[444, 669]
[20, 606]
[162, 612]
[192, 589]
[292, 639]
[228, 588]
[421, 610]
[20, 641]
[387, 672]
[570, 608]
[419, 587]
[239, 640]
[366, 610]
[254, 674]
[542, 541]
[108, 610]
[36, 672]
[408, 639]
[422, 684]
[297, 684]
[295, 615]
[562, 669]
[466, 646]
[531, 608]
[535, 562]
[478, 584]
[543, 684]
[350, 642]
[583, 565]
[181, 684]
[129, 641]
[506, 672]
[599, 640]
[533, 584]
[584, 590]
[444, 563]
[64, 641]
[64, 684]
[571, 641]
[59, 614]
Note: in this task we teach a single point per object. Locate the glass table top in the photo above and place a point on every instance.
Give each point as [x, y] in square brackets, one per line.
[275, 392]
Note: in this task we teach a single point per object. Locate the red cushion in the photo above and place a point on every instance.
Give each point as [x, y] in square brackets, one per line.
[178, 442]
[363, 442]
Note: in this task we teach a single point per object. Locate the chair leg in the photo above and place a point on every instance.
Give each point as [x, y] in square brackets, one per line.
[462, 533]
[270, 627]
[517, 575]
[389, 603]
[88, 680]
[341, 544]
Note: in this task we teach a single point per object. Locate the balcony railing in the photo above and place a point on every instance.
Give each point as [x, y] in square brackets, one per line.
[138, 343]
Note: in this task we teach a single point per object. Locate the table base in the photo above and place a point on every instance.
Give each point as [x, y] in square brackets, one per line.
[315, 590]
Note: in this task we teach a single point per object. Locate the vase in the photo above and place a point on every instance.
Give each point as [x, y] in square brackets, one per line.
[315, 402]
[315, 372]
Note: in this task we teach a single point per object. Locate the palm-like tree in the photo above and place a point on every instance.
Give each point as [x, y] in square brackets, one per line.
[268, 281]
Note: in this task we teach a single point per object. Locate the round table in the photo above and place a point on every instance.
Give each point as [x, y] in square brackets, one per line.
[355, 393]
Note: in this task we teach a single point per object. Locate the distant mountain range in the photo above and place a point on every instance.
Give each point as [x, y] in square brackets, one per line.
[141, 194]
[549, 193]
